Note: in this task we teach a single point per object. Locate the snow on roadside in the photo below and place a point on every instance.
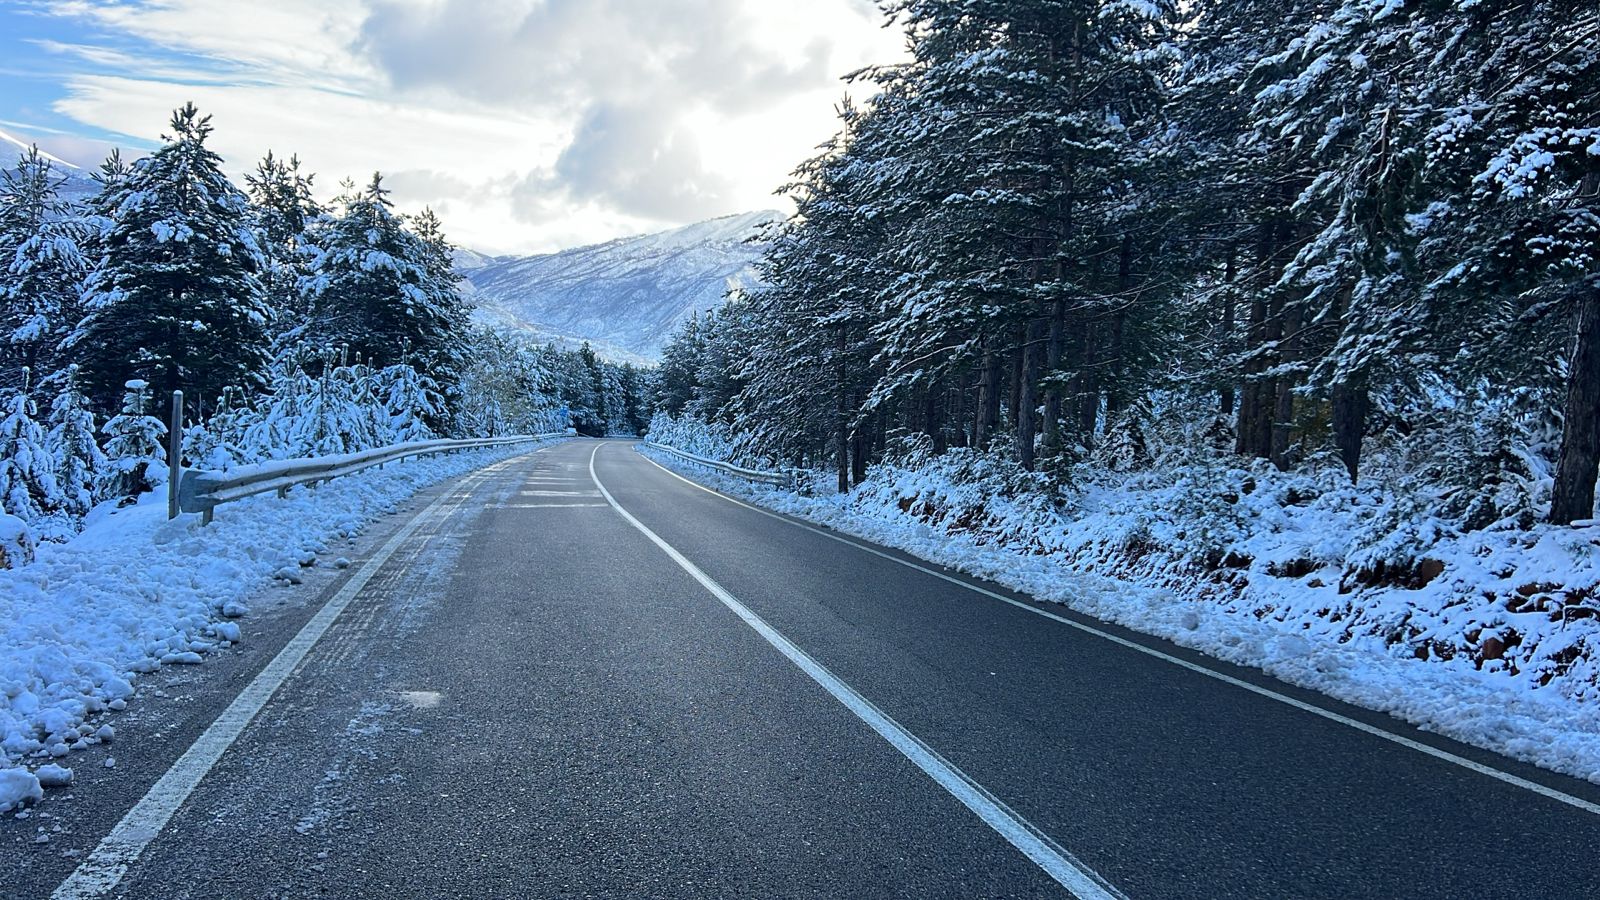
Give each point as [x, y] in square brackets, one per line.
[1485, 708]
[135, 591]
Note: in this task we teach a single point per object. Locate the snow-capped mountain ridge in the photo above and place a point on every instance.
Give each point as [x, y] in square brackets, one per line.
[22, 148]
[628, 293]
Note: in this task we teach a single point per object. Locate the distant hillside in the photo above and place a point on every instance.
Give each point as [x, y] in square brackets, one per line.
[77, 184]
[626, 295]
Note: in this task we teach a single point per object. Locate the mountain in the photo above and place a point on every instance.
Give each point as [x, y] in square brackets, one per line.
[76, 184]
[624, 296]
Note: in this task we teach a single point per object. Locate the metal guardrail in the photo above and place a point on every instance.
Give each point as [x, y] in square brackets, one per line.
[202, 491]
[785, 479]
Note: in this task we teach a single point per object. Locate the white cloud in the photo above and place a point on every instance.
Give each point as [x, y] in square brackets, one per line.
[528, 124]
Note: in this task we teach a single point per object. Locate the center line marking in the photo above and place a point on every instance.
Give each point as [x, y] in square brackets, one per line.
[1039, 847]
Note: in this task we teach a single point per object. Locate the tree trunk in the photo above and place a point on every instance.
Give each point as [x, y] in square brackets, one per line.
[1282, 429]
[1027, 399]
[1573, 498]
[1257, 402]
[1116, 369]
[1086, 387]
[1052, 365]
[988, 412]
[841, 433]
[1014, 399]
[858, 456]
[1230, 300]
[1350, 403]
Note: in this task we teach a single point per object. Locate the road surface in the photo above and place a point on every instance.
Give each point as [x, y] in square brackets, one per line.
[575, 674]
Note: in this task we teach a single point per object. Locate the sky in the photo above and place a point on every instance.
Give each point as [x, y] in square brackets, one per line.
[528, 125]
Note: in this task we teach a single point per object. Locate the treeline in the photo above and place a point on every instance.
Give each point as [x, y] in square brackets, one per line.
[1303, 227]
[292, 329]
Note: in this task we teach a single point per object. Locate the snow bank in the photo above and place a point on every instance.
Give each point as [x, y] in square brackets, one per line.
[135, 591]
[1488, 637]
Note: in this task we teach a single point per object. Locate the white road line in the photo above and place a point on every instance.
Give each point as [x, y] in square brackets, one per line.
[1330, 715]
[1039, 847]
[552, 505]
[104, 868]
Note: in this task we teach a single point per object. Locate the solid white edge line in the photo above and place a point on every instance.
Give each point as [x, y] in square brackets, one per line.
[1409, 743]
[1037, 846]
[103, 869]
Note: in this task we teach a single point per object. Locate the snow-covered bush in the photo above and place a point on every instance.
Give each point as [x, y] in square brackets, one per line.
[136, 461]
[27, 480]
[17, 543]
[410, 402]
[76, 456]
[692, 436]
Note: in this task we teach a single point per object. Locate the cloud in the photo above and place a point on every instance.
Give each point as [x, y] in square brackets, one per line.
[563, 54]
[642, 162]
[527, 124]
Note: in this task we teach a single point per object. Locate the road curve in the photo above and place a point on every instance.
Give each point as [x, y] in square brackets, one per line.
[583, 676]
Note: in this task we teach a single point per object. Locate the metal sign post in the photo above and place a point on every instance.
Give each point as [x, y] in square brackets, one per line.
[174, 454]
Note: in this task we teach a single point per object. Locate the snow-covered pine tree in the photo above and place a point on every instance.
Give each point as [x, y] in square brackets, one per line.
[385, 293]
[442, 357]
[274, 431]
[332, 418]
[99, 213]
[1025, 119]
[176, 294]
[75, 455]
[507, 387]
[41, 267]
[27, 480]
[136, 457]
[221, 441]
[1350, 107]
[677, 377]
[1513, 248]
[410, 403]
[284, 207]
[808, 321]
[634, 406]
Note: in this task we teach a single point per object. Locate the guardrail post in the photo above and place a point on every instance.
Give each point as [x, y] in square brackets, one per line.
[175, 454]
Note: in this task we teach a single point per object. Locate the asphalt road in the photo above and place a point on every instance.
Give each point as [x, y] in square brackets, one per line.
[531, 697]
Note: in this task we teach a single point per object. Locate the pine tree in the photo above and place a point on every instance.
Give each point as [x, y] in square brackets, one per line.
[281, 193]
[811, 366]
[410, 403]
[677, 377]
[136, 458]
[176, 292]
[41, 266]
[635, 415]
[27, 482]
[1513, 240]
[71, 445]
[385, 293]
